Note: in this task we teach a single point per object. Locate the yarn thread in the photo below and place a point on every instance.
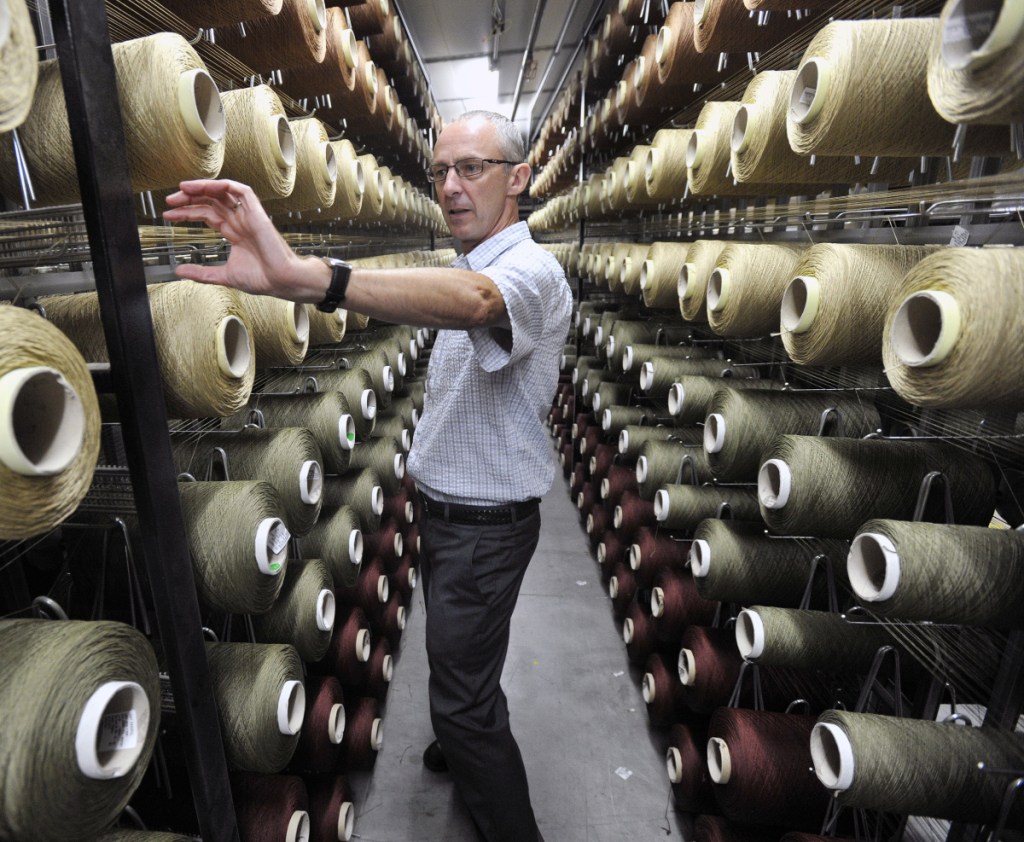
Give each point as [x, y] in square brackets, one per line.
[745, 289]
[361, 491]
[259, 149]
[760, 150]
[807, 640]
[660, 275]
[331, 811]
[828, 487]
[303, 613]
[385, 457]
[912, 766]
[49, 425]
[172, 115]
[736, 561]
[323, 726]
[270, 807]
[203, 345]
[316, 170]
[834, 308]
[297, 35]
[741, 424]
[239, 570]
[944, 338]
[364, 734]
[759, 762]
[21, 68]
[337, 540]
[691, 395]
[82, 707]
[260, 700]
[685, 506]
[939, 573]
[701, 258]
[659, 463]
[286, 457]
[862, 89]
[325, 414]
[975, 61]
[279, 329]
[354, 383]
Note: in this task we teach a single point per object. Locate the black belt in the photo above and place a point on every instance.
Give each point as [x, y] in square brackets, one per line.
[479, 515]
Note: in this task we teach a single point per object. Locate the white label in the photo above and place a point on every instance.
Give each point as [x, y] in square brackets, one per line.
[624, 773]
[960, 236]
[119, 731]
[807, 96]
[278, 538]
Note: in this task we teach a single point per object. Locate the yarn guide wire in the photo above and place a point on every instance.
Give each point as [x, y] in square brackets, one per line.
[872, 687]
[28, 192]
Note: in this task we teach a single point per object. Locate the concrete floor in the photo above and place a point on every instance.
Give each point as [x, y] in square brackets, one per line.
[576, 711]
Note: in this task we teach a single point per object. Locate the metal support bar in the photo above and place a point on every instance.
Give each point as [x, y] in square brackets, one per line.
[527, 55]
[1007, 698]
[594, 13]
[569, 15]
[90, 87]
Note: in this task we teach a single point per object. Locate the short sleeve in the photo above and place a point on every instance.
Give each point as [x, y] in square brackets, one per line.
[527, 285]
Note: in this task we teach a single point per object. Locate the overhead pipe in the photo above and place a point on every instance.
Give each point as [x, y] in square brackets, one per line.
[497, 27]
[555, 51]
[594, 13]
[527, 54]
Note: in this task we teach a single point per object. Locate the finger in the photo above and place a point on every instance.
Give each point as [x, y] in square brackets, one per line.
[202, 274]
[209, 214]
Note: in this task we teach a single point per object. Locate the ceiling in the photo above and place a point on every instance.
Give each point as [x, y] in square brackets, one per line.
[473, 61]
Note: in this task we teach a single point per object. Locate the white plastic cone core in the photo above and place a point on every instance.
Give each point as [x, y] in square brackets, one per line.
[42, 421]
[200, 106]
[112, 729]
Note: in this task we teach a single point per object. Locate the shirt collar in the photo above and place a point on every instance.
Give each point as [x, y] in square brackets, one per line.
[488, 251]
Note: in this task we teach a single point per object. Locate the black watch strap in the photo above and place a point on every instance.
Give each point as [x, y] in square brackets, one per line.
[340, 271]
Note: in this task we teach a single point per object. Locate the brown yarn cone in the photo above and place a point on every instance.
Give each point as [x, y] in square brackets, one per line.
[292, 37]
[678, 60]
[336, 71]
[214, 13]
[726, 26]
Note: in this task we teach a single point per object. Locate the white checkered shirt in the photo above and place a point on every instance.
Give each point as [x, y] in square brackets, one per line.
[481, 439]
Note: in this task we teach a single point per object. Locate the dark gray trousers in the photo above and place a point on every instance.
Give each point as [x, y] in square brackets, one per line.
[471, 577]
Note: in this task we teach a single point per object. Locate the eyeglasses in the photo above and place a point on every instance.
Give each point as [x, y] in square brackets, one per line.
[466, 168]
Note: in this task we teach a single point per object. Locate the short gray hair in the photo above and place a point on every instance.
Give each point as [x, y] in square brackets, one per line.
[510, 139]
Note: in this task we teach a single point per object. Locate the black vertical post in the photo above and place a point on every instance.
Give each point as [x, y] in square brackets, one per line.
[90, 89]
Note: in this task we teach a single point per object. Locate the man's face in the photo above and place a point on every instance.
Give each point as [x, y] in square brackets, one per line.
[477, 208]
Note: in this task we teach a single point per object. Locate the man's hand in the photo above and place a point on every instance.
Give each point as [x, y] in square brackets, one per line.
[260, 261]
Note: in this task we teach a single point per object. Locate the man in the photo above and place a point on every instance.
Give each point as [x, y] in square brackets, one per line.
[480, 457]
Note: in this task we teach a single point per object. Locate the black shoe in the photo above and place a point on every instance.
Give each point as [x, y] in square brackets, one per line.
[433, 758]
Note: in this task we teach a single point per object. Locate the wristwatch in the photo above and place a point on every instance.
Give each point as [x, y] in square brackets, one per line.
[340, 271]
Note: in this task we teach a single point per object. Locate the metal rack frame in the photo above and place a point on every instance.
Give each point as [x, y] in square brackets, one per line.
[87, 72]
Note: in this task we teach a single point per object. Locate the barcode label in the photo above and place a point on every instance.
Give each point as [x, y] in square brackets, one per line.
[119, 731]
[278, 539]
[166, 694]
[960, 236]
[807, 96]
